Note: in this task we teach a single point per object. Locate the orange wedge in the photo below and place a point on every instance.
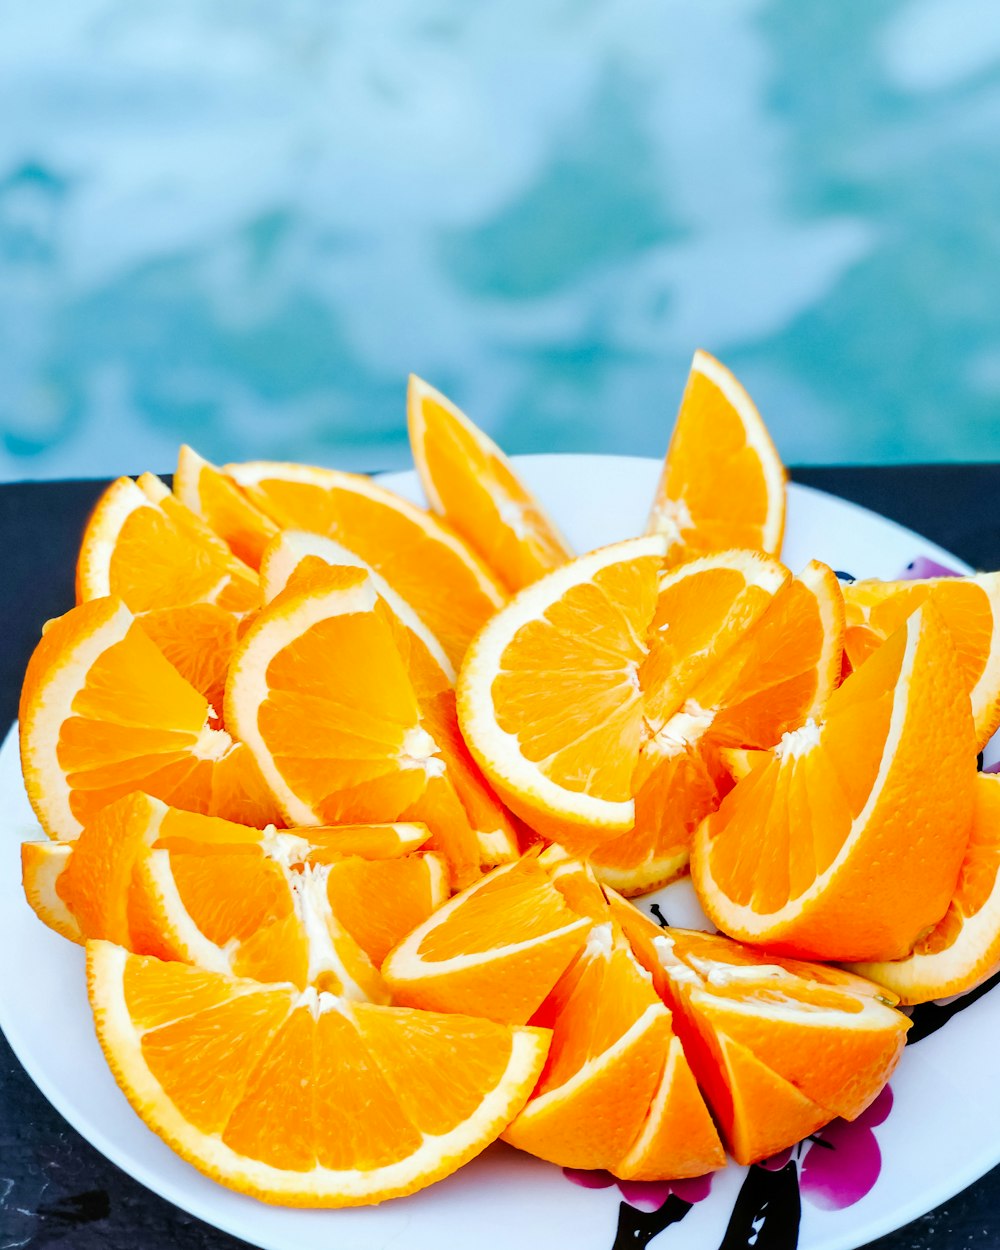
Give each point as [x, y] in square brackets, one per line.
[778, 1046]
[42, 867]
[102, 713]
[471, 484]
[844, 844]
[495, 950]
[190, 593]
[612, 1046]
[746, 656]
[423, 560]
[970, 607]
[220, 503]
[303, 1098]
[963, 948]
[320, 693]
[723, 483]
[549, 696]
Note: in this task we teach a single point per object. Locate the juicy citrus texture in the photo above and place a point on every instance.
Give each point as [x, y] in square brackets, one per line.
[419, 556]
[216, 498]
[321, 693]
[970, 607]
[495, 950]
[843, 844]
[103, 713]
[616, 1091]
[723, 483]
[185, 586]
[549, 698]
[304, 1098]
[963, 948]
[778, 1046]
[42, 867]
[471, 484]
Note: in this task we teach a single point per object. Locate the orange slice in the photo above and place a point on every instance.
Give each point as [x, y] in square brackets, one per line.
[380, 902]
[778, 1046]
[304, 1099]
[723, 483]
[549, 697]
[970, 607]
[319, 692]
[495, 950]
[739, 663]
[102, 713]
[419, 556]
[471, 484]
[42, 867]
[171, 571]
[963, 948]
[844, 844]
[612, 1042]
[216, 498]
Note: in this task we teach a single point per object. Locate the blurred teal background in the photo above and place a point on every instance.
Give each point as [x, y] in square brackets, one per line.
[242, 224]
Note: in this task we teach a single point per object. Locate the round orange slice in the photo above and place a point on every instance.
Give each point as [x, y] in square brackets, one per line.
[616, 1091]
[424, 561]
[103, 713]
[215, 497]
[779, 1046]
[303, 1098]
[963, 948]
[549, 696]
[495, 950]
[723, 483]
[970, 607]
[844, 844]
[471, 484]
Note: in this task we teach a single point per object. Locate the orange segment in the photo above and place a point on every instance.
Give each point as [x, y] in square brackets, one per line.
[970, 607]
[963, 948]
[549, 699]
[421, 558]
[471, 484]
[778, 1046]
[379, 902]
[846, 845]
[42, 868]
[215, 497]
[723, 483]
[298, 1098]
[495, 950]
[103, 713]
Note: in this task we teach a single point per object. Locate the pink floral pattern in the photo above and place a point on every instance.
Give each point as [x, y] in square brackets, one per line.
[643, 1195]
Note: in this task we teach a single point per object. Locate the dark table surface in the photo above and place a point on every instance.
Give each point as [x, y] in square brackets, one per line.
[56, 1189]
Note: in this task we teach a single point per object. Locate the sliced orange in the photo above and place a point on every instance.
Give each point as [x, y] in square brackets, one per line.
[471, 484]
[215, 497]
[740, 662]
[723, 483]
[963, 948]
[612, 1044]
[423, 560]
[844, 843]
[304, 1099]
[42, 867]
[549, 696]
[102, 713]
[778, 1046]
[172, 572]
[971, 610]
[320, 692]
[495, 950]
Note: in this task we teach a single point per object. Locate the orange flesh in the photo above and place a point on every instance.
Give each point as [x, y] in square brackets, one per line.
[416, 566]
[224, 506]
[717, 478]
[198, 640]
[230, 895]
[587, 646]
[379, 902]
[469, 479]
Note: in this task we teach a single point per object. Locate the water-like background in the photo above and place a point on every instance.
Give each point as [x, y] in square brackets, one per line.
[243, 222]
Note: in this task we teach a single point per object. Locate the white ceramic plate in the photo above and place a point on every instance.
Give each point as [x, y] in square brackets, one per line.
[940, 1136]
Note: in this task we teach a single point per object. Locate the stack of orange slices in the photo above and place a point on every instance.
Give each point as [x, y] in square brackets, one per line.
[350, 794]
